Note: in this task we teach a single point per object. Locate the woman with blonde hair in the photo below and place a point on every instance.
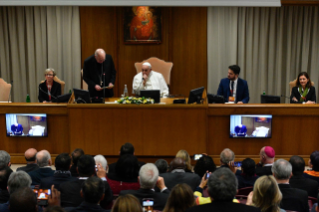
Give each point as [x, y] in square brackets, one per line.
[266, 195]
[185, 156]
[180, 199]
[127, 203]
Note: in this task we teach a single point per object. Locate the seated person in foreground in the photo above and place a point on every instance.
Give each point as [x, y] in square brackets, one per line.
[30, 157]
[314, 165]
[49, 90]
[303, 92]
[148, 79]
[267, 157]
[248, 175]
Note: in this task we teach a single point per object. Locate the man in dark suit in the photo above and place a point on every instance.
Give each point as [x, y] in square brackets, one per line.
[98, 72]
[4, 177]
[30, 157]
[148, 177]
[248, 176]
[222, 188]
[178, 175]
[62, 173]
[293, 199]
[44, 162]
[233, 88]
[70, 191]
[76, 154]
[267, 157]
[93, 192]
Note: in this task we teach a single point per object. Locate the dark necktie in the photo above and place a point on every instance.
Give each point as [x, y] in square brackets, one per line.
[232, 87]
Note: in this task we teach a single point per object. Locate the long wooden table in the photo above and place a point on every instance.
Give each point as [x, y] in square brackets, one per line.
[159, 131]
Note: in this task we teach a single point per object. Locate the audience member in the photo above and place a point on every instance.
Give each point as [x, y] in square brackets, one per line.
[125, 176]
[267, 157]
[30, 157]
[62, 173]
[266, 195]
[178, 175]
[54, 209]
[204, 164]
[44, 162]
[314, 165]
[161, 165]
[148, 177]
[248, 175]
[293, 199]
[222, 188]
[4, 159]
[227, 157]
[4, 177]
[100, 160]
[299, 181]
[127, 203]
[76, 154]
[23, 200]
[93, 191]
[70, 191]
[185, 156]
[180, 199]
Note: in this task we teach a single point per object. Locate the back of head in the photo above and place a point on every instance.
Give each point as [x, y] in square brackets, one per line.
[54, 209]
[177, 163]
[222, 185]
[76, 154]
[4, 159]
[17, 180]
[63, 162]
[100, 159]
[235, 69]
[161, 165]
[30, 155]
[127, 203]
[267, 195]
[314, 158]
[127, 148]
[180, 199]
[148, 176]
[227, 156]
[86, 166]
[249, 167]
[185, 156]
[93, 189]
[127, 167]
[43, 158]
[298, 165]
[205, 163]
[4, 177]
[24, 200]
[281, 169]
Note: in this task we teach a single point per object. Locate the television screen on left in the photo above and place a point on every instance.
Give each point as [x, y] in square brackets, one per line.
[26, 125]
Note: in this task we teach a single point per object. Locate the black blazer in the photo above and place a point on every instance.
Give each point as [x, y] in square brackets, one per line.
[160, 198]
[172, 179]
[29, 167]
[43, 91]
[223, 207]
[85, 207]
[4, 196]
[92, 73]
[293, 199]
[57, 179]
[310, 96]
[263, 170]
[309, 185]
[40, 173]
[246, 181]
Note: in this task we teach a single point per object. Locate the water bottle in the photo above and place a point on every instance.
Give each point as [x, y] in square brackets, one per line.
[125, 93]
[28, 99]
[70, 91]
[264, 92]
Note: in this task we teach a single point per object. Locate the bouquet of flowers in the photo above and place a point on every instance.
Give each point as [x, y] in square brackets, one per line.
[135, 100]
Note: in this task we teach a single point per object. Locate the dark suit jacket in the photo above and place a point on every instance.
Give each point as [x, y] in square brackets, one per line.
[5, 207]
[172, 179]
[55, 92]
[310, 96]
[113, 165]
[28, 167]
[223, 207]
[4, 196]
[293, 199]
[160, 198]
[242, 93]
[57, 179]
[73, 171]
[263, 170]
[85, 207]
[92, 73]
[309, 185]
[71, 197]
[246, 181]
[40, 173]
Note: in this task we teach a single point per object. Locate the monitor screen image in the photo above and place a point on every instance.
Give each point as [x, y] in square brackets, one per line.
[250, 126]
[195, 95]
[23, 125]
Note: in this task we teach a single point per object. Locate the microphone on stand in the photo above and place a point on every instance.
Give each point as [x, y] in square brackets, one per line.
[10, 91]
[47, 93]
[284, 96]
[104, 85]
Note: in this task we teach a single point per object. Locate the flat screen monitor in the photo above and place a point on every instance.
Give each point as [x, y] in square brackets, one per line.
[154, 94]
[215, 99]
[250, 126]
[26, 124]
[64, 98]
[81, 96]
[269, 99]
[195, 95]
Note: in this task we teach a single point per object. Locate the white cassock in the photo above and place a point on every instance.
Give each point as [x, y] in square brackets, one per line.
[155, 81]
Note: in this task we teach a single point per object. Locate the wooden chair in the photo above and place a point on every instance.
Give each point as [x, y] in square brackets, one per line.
[158, 65]
[58, 81]
[311, 201]
[84, 86]
[5, 89]
[245, 191]
[294, 83]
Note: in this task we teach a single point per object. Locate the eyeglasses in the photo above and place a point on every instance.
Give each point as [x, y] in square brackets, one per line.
[49, 75]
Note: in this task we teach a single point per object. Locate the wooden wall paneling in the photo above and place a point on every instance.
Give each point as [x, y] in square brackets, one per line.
[300, 2]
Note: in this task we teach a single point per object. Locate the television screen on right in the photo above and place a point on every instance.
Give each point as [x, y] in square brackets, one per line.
[250, 126]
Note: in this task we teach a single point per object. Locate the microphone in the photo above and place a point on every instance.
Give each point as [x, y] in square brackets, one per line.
[10, 91]
[47, 93]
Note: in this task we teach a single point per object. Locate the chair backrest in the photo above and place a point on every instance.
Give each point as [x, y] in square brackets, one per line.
[245, 191]
[158, 65]
[84, 86]
[4, 90]
[311, 201]
[62, 83]
[294, 83]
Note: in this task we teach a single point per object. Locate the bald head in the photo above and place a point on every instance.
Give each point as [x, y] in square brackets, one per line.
[177, 163]
[44, 158]
[99, 55]
[30, 155]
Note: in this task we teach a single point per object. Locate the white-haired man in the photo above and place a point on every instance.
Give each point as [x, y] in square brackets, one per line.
[44, 162]
[148, 79]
